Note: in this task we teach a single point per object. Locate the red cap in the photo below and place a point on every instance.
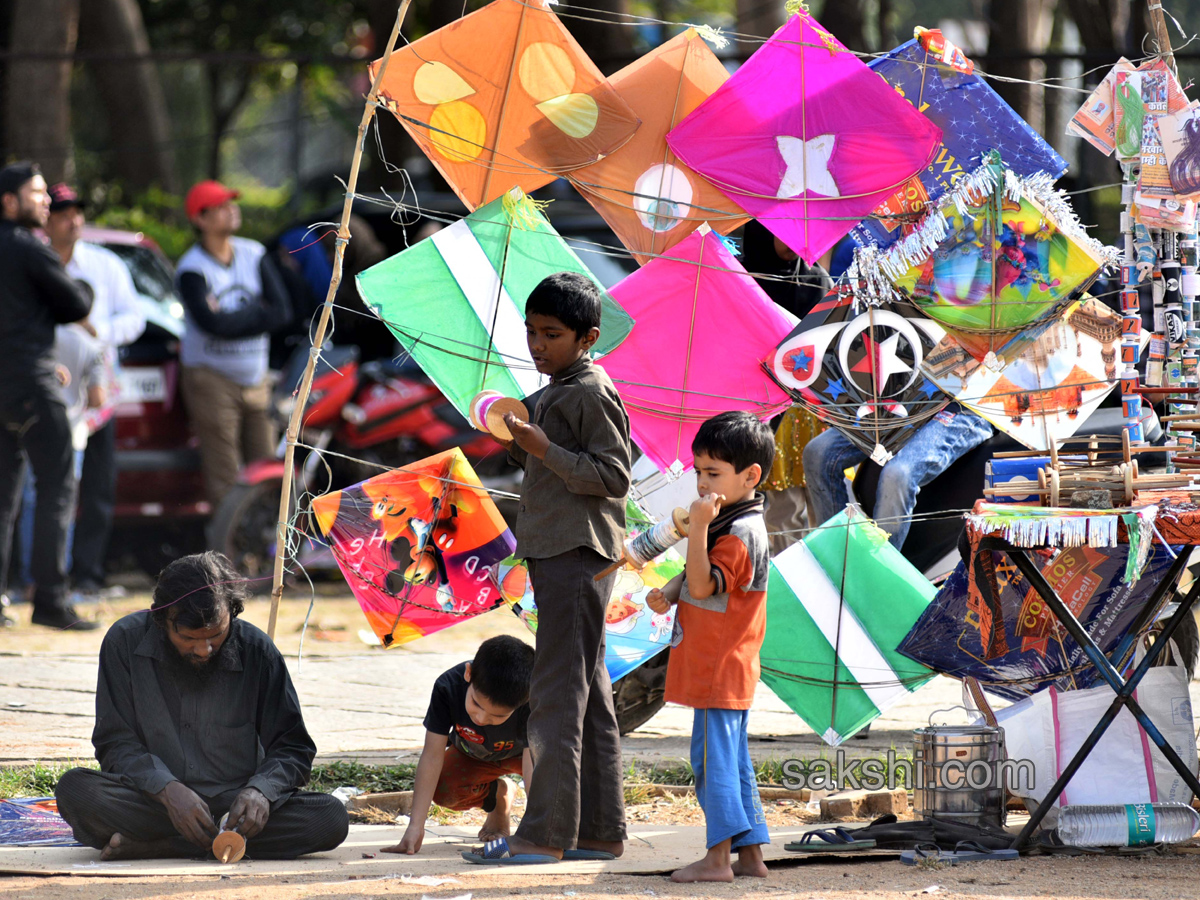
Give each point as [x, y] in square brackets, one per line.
[207, 194]
[62, 196]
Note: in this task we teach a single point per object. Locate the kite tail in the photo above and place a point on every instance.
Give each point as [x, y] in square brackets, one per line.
[522, 210]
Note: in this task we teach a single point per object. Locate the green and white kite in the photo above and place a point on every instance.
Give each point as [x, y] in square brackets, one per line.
[456, 300]
[838, 605]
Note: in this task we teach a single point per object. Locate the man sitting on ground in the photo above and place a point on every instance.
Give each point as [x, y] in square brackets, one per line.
[196, 717]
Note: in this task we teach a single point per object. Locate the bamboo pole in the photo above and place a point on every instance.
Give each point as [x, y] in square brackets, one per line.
[1161, 36]
[343, 235]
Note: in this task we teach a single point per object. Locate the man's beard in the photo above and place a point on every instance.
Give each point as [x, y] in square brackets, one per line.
[27, 217]
[194, 673]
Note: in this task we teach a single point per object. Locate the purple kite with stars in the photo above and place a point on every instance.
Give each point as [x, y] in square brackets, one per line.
[974, 121]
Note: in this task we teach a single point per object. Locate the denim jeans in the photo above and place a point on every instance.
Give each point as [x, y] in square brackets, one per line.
[928, 454]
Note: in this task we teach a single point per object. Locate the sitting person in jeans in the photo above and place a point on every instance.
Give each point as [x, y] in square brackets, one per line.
[928, 453]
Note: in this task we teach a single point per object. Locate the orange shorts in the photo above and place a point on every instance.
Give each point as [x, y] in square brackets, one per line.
[468, 783]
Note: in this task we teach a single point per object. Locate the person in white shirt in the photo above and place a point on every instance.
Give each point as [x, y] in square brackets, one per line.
[234, 298]
[116, 320]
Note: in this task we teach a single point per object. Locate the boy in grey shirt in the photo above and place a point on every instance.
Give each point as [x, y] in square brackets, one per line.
[570, 527]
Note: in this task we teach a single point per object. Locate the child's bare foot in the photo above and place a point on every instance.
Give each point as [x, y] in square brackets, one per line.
[750, 862]
[497, 824]
[706, 869]
[121, 847]
[616, 848]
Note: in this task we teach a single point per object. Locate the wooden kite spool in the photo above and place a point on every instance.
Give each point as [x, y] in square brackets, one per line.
[487, 413]
[228, 846]
[652, 543]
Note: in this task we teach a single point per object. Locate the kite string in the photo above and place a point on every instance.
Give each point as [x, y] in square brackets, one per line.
[667, 154]
[512, 68]
[687, 360]
[499, 298]
[837, 642]
[420, 338]
[747, 38]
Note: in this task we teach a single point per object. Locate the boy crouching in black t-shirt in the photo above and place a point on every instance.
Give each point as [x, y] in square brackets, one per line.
[475, 735]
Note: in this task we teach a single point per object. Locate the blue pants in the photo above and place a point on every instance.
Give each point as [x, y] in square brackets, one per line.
[928, 453]
[725, 782]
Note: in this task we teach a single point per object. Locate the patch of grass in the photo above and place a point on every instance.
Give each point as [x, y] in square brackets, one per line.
[441, 815]
[767, 772]
[38, 780]
[373, 815]
[674, 772]
[371, 779]
[636, 794]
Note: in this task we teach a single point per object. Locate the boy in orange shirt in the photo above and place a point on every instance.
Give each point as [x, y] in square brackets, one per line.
[719, 624]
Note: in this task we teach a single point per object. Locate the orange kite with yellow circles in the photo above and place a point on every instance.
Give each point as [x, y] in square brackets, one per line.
[504, 98]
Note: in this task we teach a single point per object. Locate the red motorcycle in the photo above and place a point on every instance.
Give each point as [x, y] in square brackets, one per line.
[361, 420]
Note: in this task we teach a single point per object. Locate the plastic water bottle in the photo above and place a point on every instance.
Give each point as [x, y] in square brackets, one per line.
[1133, 825]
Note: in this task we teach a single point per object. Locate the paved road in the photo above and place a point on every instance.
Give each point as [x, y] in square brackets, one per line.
[362, 702]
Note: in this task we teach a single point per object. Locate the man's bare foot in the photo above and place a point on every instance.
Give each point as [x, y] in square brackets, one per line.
[750, 862]
[707, 869]
[616, 848]
[497, 824]
[519, 845]
[121, 847]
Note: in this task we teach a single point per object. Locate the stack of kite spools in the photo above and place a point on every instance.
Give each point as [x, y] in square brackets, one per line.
[488, 409]
[644, 548]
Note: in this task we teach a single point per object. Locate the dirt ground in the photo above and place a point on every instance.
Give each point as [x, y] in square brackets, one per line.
[1168, 877]
[46, 694]
[880, 878]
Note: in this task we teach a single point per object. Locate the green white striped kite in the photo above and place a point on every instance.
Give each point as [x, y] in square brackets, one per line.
[456, 300]
[838, 605]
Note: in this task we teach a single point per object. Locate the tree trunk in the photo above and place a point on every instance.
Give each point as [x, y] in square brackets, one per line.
[1103, 24]
[1020, 27]
[223, 107]
[847, 21]
[38, 107]
[1113, 28]
[887, 37]
[132, 94]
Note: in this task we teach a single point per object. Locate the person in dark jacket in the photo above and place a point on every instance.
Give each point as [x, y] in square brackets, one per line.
[36, 295]
[196, 720]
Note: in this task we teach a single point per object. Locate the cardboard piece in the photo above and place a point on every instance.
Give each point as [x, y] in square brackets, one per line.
[651, 850]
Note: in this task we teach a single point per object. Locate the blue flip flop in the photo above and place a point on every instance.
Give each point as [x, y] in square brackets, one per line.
[580, 853]
[498, 853]
[835, 840]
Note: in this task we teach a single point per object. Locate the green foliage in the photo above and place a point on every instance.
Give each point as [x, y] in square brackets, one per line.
[160, 216]
[38, 780]
[372, 779]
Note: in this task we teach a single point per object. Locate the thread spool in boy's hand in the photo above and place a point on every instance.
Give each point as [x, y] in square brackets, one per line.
[228, 846]
[488, 409]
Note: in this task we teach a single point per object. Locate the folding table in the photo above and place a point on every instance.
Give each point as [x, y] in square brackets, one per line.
[1172, 520]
